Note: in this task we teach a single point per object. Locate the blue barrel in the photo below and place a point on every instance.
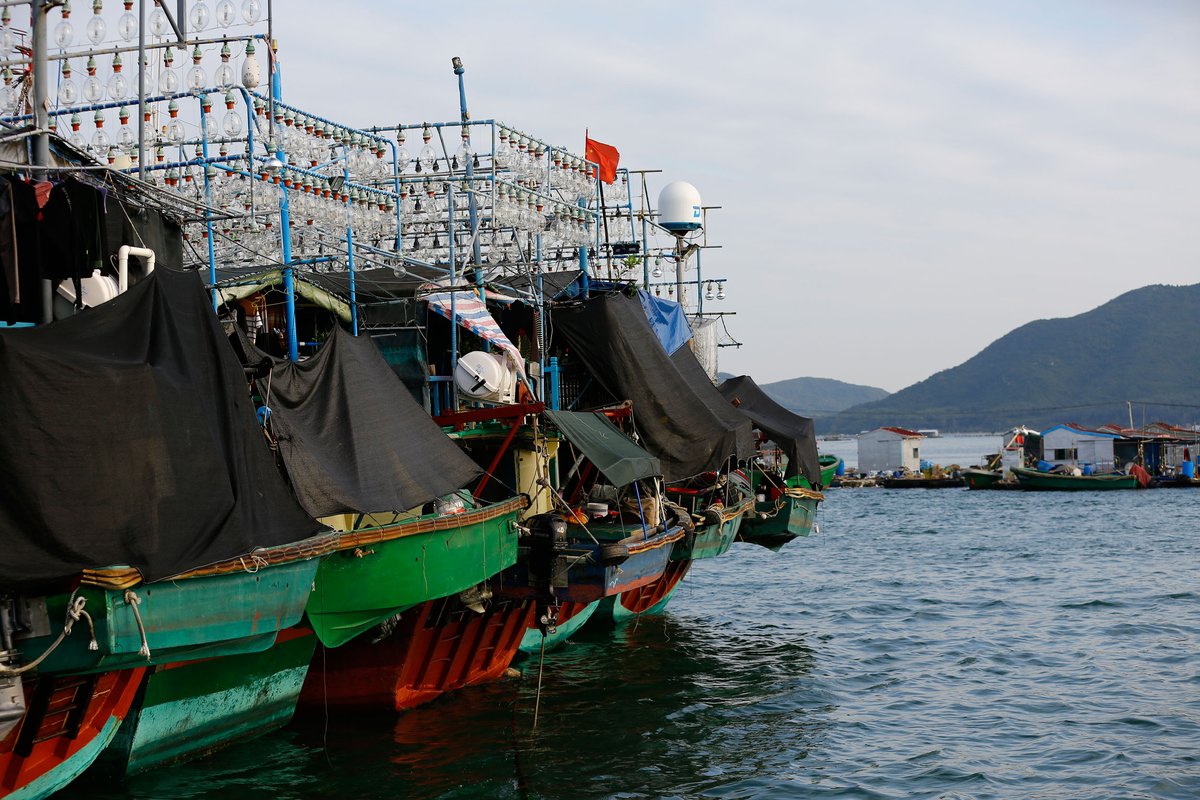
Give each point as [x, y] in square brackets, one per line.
[1189, 469]
[840, 470]
[1087, 469]
[1044, 466]
[926, 464]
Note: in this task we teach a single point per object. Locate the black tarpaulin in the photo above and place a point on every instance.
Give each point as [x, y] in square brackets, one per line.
[352, 437]
[698, 381]
[793, 433]
[613, 453]
[127, 437]
[611, 336]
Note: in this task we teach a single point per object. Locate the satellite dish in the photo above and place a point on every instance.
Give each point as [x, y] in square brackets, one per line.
[486, 377]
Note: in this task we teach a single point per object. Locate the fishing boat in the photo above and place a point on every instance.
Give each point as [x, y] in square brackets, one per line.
[986, 479]
[919, 481]
[995, 472]
[786, 487]
[1033, 480]
[829, 468]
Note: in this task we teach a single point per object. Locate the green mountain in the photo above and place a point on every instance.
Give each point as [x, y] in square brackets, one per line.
[820, 397]
[1141, 347]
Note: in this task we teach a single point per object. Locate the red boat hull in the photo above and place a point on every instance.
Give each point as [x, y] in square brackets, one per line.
[643, 598]
[68, 722]
[437, 647]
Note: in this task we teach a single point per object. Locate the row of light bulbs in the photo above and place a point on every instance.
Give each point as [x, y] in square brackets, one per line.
[200, 18]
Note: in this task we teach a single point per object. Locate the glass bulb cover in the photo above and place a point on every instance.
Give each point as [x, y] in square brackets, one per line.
[199, 16]
[226, 13]
[118, 86]
[168, 82]
[93, 90]
[224, 77]
[127, 26]
[64, 34]
[231, 124]
[251, 11]
[96, 29]
[174, 132]
[8, 40]
[100, 142]
[158, 22]
[197, 78]
[126, 138]
[68, 93]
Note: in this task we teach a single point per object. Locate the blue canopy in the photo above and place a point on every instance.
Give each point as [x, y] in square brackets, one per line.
[668, 321]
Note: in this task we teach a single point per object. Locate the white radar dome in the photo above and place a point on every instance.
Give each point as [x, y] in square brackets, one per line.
[679, 207]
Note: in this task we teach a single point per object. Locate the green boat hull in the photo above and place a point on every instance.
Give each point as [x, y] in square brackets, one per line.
[1033, 480]
[829, 465]
[186, 619]
[358, 587]
[772, 525]
[191, 709]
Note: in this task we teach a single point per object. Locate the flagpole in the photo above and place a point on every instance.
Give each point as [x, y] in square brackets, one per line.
[604, 216]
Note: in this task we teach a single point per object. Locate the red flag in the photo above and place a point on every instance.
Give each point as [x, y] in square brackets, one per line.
[603, 154]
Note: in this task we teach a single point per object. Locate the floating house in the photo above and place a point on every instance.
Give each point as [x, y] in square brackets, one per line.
[1071, 444]
[889, 448]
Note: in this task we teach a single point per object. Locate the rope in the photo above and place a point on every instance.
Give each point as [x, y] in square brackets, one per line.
[74, 613]
[134, 601]
[537, 698]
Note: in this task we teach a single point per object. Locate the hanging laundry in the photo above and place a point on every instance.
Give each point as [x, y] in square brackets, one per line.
[20, 280]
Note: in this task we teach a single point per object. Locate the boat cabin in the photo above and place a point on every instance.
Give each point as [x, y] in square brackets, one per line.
[889, 449]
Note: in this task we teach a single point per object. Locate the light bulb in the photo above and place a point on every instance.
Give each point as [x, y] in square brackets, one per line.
[708, 292]
[231, 124]
[721, 292]
[226, 13]
[174, 132]
[68, 92]
[199, 16]
[93, 90]
[64, 33]
[211, 128]
[100, 143]
[427, 157]
[118, 86]
[168, 82]
[251, 71]
[96, 29]
[251, 11]
[224, 77]
[656, 272]
[158, 22]
[127, 26]
[196, 78]
[125, 138]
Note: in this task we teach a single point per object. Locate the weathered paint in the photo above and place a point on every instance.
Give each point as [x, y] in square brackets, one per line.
[715, 539]
[772, 526]
[360, 587]
[571, 617]
[650, 599]
[190, 709]
[436, 647]
[59, 752]
[202, 617]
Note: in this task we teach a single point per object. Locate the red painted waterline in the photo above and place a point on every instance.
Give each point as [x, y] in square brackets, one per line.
[437, 647]
[639, 599]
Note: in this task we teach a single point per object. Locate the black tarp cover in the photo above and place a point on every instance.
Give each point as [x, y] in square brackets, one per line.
[698, 381]
[793, 433]
[613, 453]
[352, 437]
[127, 436]
[610, 334]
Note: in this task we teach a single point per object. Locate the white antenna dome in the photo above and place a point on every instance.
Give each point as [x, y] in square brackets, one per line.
[485, 376]
[679, 207]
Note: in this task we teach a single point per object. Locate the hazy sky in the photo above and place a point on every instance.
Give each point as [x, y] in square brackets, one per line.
[901, 183]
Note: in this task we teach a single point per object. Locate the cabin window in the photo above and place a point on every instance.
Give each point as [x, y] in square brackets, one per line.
[1065, 454]
[916, 452]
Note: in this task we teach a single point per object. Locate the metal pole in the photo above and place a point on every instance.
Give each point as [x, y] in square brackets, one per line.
[453, 304]
[41, 142]
[541, 321]
[699, 286]
[208, 226]
[142, 89]
[679, 262]
[645, 256]
[472, 206]
[285, 223]
[583, 262]
[350, 248]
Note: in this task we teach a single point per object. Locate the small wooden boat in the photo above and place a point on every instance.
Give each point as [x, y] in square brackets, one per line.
[988, 479]
[775, 522]
[1032, 480]
[829, 467]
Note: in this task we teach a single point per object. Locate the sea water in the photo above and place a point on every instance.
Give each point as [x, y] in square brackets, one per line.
[926, 644]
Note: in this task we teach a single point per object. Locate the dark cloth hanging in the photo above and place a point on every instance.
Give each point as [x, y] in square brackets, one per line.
[793, 433]
[129, 437]
[20, 252]
[351, 435]
[74, 233]
[610, 334]
[697, 379]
